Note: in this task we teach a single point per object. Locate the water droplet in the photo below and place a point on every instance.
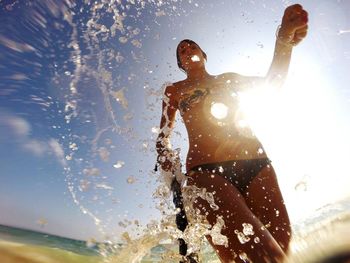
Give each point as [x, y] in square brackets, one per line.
[131, 180]
[241, 237]
[160, 13]
[301, 186]
[244, 257]
[118, 164]
[277, 213]
[155, 130]
[136, 43]
[123, 40]
[104, 154]
[84, 185]
[73, 146]
[247, 229]
[104, 186]
[120, 97]
[91, 171]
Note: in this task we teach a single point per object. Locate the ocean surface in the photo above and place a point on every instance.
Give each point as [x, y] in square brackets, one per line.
[20, 245]
[317, 239]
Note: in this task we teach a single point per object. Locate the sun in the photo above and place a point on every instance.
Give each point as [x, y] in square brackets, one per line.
[296, 125]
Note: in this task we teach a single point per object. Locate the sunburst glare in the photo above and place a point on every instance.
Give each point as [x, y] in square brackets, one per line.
[219, 110]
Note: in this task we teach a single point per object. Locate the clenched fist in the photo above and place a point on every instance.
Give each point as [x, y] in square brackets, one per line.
[294, 25]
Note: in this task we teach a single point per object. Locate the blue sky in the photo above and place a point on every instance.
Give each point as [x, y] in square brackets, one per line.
[75, 99]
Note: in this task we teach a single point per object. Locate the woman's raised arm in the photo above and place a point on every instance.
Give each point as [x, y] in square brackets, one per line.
[290, 33]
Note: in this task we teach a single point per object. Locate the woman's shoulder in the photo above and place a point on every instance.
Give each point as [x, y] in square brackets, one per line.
[241, 81]
[171, 92]
[175, 87]
[180, 83]
[172, 85]
[228, 76]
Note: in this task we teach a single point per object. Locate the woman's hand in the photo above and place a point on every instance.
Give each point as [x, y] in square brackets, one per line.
[294, 25]
[167, 161]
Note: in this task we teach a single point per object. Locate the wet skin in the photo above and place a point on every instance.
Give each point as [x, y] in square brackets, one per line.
[215, 140]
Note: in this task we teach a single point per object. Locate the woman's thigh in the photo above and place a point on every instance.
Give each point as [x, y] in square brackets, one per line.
[234, 211]
[264, 198]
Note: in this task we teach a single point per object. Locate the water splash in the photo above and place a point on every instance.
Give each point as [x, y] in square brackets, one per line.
[93, 105]
[247, 231]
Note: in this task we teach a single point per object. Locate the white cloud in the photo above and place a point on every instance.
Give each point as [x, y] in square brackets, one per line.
[36, 147]
[19, 129]
[57, 150]
[16, 125]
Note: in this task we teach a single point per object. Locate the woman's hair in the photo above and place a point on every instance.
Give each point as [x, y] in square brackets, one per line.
[189, 41]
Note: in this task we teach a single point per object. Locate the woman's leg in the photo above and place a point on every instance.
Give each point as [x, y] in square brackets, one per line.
[265, 200]
[261, 246]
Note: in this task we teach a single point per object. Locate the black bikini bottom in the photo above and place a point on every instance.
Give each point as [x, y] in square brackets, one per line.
[240, 173]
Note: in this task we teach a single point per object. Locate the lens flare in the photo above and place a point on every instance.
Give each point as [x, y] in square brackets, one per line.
[219, 110]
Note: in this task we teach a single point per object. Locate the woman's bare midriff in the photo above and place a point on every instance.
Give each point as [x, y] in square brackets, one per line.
[213, 140]
[210, 149]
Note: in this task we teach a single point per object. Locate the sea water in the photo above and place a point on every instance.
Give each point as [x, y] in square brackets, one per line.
[322, 236]
[20, 245]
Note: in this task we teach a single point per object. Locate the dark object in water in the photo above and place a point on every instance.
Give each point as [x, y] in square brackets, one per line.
[181, 222]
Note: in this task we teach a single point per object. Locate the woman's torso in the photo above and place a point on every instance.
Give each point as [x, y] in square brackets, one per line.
[216, 127]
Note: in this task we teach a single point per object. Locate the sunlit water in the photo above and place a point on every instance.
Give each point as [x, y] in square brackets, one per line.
[319, 238]
[82, 84]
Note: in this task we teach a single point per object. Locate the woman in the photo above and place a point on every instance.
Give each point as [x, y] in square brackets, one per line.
[226, 158]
